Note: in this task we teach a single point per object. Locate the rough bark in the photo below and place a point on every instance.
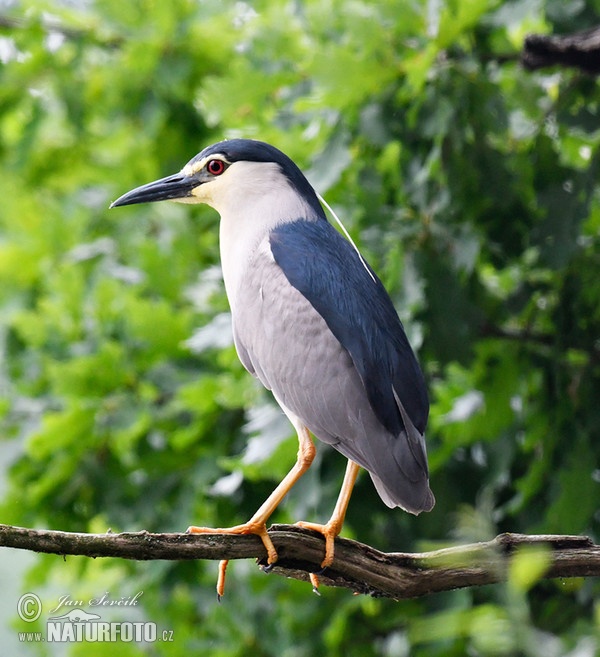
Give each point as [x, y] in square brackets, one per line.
[358, 567]
[580, 50]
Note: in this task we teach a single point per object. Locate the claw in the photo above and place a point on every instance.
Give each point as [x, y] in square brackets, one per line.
[268, 568]
[314, 580]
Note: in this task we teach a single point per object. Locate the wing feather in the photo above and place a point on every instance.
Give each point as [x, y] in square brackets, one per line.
[325, 268]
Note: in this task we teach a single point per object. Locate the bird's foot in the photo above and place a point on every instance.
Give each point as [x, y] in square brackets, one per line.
[329, 531]
[250, 527]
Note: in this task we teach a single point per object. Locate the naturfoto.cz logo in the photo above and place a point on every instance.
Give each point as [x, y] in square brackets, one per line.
[74, 624]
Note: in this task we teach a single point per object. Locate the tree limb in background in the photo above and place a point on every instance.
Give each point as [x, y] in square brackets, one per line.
[580, 50]
[357, 566]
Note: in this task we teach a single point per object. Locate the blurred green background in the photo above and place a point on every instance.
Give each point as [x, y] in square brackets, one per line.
[470, 184]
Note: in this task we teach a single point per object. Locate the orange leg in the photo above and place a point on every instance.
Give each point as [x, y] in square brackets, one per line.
[258, 523]
[334, 526]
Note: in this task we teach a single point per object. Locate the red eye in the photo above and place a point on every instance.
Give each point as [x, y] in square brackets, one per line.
[216, 167]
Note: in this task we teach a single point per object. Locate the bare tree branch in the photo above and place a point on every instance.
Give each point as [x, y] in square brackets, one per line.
[580, 50]
[357, 566]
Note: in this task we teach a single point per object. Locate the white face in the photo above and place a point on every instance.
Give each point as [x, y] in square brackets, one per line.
[224, 185]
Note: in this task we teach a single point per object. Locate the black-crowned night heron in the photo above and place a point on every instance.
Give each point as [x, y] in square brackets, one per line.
[314, 324]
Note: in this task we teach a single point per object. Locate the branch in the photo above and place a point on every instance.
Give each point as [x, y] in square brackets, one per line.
[357, 566]
[51, 24]
[580, 50]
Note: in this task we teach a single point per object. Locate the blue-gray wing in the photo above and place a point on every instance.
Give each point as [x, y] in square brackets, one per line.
[315, 328]
[326, 269]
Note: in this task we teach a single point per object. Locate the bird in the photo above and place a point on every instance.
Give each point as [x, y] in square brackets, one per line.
[313, 322]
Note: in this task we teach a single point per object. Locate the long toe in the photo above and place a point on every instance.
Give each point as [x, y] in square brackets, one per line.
[260, 529]
[250, 527]
[329, 531]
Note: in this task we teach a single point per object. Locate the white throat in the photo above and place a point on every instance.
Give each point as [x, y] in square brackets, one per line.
[259, 199]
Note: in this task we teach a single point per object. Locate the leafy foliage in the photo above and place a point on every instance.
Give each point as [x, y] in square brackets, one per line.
[471, 186]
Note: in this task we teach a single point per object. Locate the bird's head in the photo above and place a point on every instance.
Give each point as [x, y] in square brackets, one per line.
[230, 174]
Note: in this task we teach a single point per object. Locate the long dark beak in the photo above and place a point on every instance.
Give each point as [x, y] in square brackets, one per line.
[172, 187]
